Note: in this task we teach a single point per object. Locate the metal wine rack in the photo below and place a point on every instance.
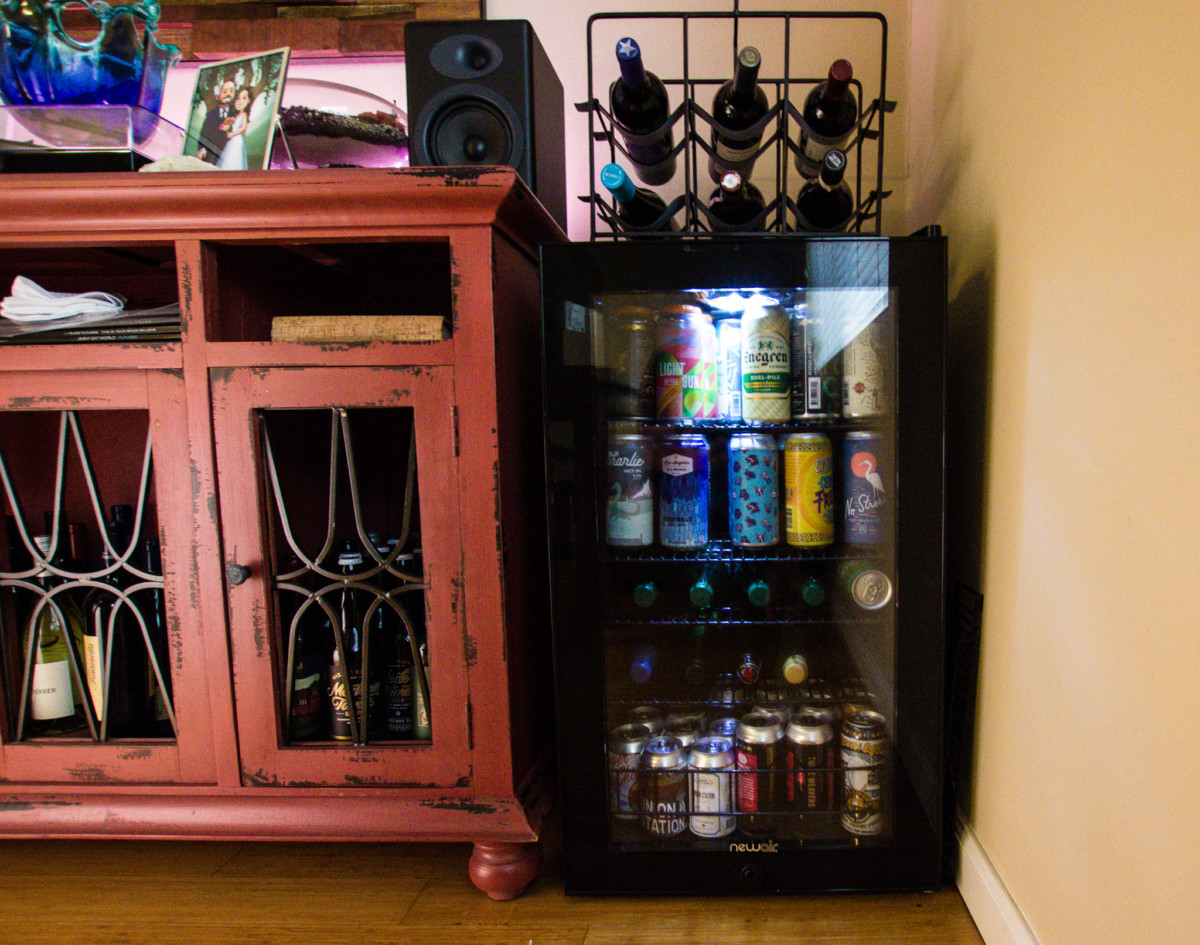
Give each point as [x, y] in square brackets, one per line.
[781, 128]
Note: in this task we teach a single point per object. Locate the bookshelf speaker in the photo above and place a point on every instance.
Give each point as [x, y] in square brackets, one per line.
[484, 92]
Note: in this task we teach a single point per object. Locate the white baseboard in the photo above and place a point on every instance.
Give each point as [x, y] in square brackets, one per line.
[996, 916]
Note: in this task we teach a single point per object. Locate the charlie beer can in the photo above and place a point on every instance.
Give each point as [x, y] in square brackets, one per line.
[630, 513]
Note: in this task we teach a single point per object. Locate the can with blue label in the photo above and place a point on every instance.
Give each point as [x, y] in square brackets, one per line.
[683, 491]
[864, 479]
[753, 490]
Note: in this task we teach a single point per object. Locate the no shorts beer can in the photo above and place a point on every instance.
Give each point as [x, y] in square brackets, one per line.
[865, 492]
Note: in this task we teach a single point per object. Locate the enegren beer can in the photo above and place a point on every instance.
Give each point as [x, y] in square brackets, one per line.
[729, 368]
[683, 491]
[865, 496]
[630, 513]
[625, 746]
[816, 388]
[864, 374]
[662, 788]
[808, 490]
[753, 490]
[685, 364]
[766, 366]
[710, 787]
[760, 771]
[864, 769]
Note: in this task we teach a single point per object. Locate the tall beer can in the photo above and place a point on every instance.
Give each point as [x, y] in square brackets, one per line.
[729, 368]
[865, 499]
[753, 490]
[864, 769]
[629, 342]
[761, 778]
[816, 386]
[685, 364]
[808, 490]
[710, 787]
[625, 746]
[766, 365]
[630, 513]
[864, 374]
[683, 492]
[662, 787]
[810, 763]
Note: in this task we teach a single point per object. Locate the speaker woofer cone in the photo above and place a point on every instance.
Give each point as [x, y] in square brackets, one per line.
[470, 131]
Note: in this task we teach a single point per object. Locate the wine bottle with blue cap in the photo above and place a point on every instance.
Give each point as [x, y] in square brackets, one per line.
[640, 110]
[636, 206]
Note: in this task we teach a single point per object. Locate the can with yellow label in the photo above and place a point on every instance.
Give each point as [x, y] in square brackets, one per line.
[808, 490]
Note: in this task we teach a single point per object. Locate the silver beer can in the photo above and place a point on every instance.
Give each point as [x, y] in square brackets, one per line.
[710, 787]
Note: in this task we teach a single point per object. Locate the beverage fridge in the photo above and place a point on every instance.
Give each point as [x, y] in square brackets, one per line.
[744, 448]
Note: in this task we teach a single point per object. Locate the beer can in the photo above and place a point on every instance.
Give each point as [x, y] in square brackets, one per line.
[625, 746]
[685, 364]
[864, 374]
[865, 498]
[808, 490]
[710, 787]
[629, 343]
[646, 715]
[687, 731]
[766, 365]
[867, 586]
[864, 769]
[761, 778]
[683, 491]
[686, 717]
[630, 513]
[753, 490]
[726, 727]
[816, 368]
[662, 787]
[729, 368]
[810, 763]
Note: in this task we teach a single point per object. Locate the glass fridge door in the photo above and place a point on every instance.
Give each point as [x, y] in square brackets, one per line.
[740, 443]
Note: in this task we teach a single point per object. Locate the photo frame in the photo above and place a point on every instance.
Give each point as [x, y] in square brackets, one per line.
[232, 119]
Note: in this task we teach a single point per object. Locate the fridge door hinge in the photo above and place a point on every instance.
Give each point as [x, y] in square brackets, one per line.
[454, 427]
[470, 726]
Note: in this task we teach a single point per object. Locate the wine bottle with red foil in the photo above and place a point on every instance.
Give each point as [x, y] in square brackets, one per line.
[831, 113]
[736, 204]
[640, 109]
[738, 106]
[826, 204]
[637, 207]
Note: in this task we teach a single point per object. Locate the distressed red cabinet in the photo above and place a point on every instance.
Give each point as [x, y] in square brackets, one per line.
[347, 637]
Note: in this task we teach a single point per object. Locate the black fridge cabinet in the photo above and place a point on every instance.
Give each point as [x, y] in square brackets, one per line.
[826, 647]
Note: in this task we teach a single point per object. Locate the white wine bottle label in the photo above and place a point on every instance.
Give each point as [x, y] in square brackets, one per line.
[735, 155]
[93, 664]
[52, 697]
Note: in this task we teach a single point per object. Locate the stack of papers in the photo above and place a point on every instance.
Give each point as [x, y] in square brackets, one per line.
[33, 315]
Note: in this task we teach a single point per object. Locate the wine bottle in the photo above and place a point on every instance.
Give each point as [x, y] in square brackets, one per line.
[749, 668]
[793, 667]
[736, 204]
[695, 673]
[641, 667]
[346, 678]
[115, 656]
[645, 594]
[809, 590]
[701, 593]
[154, 609]
[640, 109]
[637, 207]
[56, 703]
[758, 592]
[398, 690]
[826, 204]
[422, 696]
[309, 712]
[738, 105]
[831, 113]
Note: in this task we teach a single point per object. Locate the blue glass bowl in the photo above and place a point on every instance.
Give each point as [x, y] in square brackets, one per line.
[41, 63]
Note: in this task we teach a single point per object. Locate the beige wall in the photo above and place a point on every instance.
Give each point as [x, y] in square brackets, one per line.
[1058, 145]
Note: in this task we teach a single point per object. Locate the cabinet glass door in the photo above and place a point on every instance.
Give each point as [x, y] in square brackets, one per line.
[102, 680]
[342, 554]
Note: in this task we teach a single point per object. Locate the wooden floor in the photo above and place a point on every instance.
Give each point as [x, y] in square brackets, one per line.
[100, 892]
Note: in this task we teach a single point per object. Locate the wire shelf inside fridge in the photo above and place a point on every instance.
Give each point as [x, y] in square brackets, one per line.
[781, 126]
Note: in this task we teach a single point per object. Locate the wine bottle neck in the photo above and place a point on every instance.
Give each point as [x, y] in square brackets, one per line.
[745, 75]
[629, 58]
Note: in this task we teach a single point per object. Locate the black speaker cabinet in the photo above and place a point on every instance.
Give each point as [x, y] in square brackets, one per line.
[484, 92]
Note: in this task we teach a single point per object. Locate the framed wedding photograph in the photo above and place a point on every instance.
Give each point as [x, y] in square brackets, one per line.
[231, 123]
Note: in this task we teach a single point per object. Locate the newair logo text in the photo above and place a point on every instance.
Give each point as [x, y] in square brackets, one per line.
[770, 846]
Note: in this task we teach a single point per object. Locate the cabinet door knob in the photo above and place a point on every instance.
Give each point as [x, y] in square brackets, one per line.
[237, 574]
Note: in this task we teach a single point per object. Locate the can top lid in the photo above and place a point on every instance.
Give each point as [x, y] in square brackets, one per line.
[809, 727]
[629, 738]
[662, 751]
[760, 727]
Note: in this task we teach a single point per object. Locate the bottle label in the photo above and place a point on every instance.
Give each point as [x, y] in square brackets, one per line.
[306, 699]
[735, 155]
[400, 700]
[339, 702]
[676, 465]
[52, 697]
[93, 661]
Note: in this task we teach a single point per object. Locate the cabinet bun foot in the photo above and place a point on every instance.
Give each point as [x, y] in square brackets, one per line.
[504, 870]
